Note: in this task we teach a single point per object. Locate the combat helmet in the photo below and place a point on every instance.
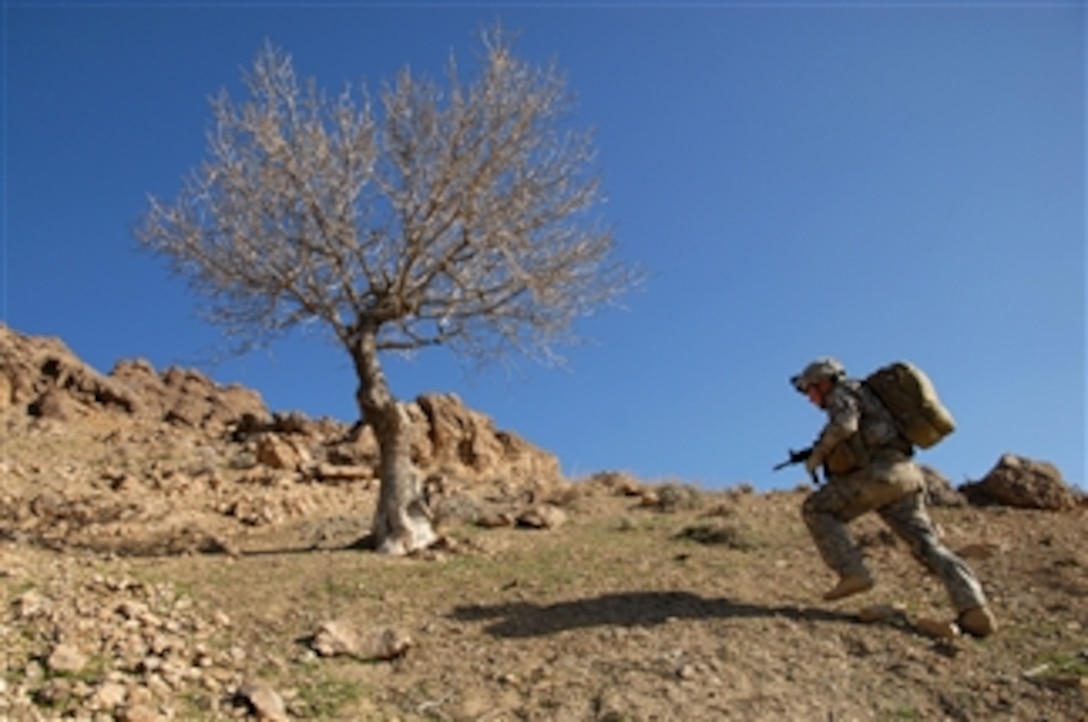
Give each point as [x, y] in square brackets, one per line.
[822, 368]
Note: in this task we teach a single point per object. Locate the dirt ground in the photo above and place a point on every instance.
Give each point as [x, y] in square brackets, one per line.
[145, 575]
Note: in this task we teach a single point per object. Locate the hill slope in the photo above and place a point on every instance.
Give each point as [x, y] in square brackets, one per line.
[199, 561]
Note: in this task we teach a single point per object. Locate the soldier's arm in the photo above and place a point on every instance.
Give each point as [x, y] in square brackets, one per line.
[844, 420]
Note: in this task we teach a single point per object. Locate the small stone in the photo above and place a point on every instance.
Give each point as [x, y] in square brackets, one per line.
[494, 520]
[110, 695]
[265, 701]
[545, 516]
[31, 604]
[66, 658]
[335, 638]
[139, 713]
[140, 696]
[388, 645]
[937, 629]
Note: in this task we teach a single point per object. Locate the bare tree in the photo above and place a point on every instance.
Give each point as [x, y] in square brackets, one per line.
[456, 217]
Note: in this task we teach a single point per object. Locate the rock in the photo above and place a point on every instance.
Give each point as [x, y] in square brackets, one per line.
[45, 377]
[387, 645]
[55, 405]
[185, 397]
[446, 433]
[335, 638]
[265, 702]
[457, 434]
[34, 366]
[881, 613]
[110, 695]
[66, 658]
[140, 713]
[341, 473]
[495, 520]
[31, 603]
[545, 516]
[278, 452]
[937, 629]
[1022, 483]
[461, 508]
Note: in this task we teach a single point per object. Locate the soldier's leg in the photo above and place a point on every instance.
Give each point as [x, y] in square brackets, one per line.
[826, 513]
[910, 521]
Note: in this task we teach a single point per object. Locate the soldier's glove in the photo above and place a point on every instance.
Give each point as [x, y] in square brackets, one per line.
[812, 463]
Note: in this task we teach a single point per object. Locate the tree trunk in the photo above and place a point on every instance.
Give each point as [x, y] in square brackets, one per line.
[402, 522]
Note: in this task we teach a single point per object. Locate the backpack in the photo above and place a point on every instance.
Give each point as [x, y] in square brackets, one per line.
[909, 395]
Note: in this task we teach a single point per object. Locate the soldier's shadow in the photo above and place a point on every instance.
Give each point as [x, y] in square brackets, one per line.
[627, 609]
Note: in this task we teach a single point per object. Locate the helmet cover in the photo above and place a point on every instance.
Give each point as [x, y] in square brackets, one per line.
[820, 369]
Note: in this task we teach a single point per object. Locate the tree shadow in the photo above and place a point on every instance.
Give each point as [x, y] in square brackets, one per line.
[517, 620]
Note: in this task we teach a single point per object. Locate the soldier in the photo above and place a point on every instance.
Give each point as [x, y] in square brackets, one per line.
[868, 467]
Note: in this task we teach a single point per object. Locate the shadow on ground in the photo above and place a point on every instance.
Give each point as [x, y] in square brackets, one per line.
[626, 609]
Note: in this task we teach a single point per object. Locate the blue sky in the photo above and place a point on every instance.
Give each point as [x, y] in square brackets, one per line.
[869, 180]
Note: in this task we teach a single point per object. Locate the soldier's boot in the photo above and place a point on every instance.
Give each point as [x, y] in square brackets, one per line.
[978, 622]
[849, 585]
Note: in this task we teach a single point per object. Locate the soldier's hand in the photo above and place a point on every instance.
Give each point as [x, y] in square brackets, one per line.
[812, 463]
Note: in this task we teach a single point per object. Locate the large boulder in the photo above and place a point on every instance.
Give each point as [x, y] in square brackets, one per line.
[1022, 483]
[449, 435]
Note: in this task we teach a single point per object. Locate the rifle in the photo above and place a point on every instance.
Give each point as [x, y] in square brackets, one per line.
[799, 456]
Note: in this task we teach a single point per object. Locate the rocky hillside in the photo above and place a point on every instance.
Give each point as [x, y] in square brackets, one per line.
[171, 549]
[86, 455]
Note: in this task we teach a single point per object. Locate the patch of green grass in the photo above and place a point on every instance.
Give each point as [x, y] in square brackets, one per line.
[336, 587]
[1073, 664]
[728, 535]
[92, 672]
[325, 697]
[1059, 668]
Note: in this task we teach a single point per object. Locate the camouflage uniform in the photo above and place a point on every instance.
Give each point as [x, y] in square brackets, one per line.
[861, 434]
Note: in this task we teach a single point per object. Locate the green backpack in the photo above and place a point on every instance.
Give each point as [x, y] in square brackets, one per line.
[909, 395]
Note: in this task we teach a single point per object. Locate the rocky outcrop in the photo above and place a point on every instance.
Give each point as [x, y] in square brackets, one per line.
[451, 435]
[1022, 483]
[42, 376]
[186, 397]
